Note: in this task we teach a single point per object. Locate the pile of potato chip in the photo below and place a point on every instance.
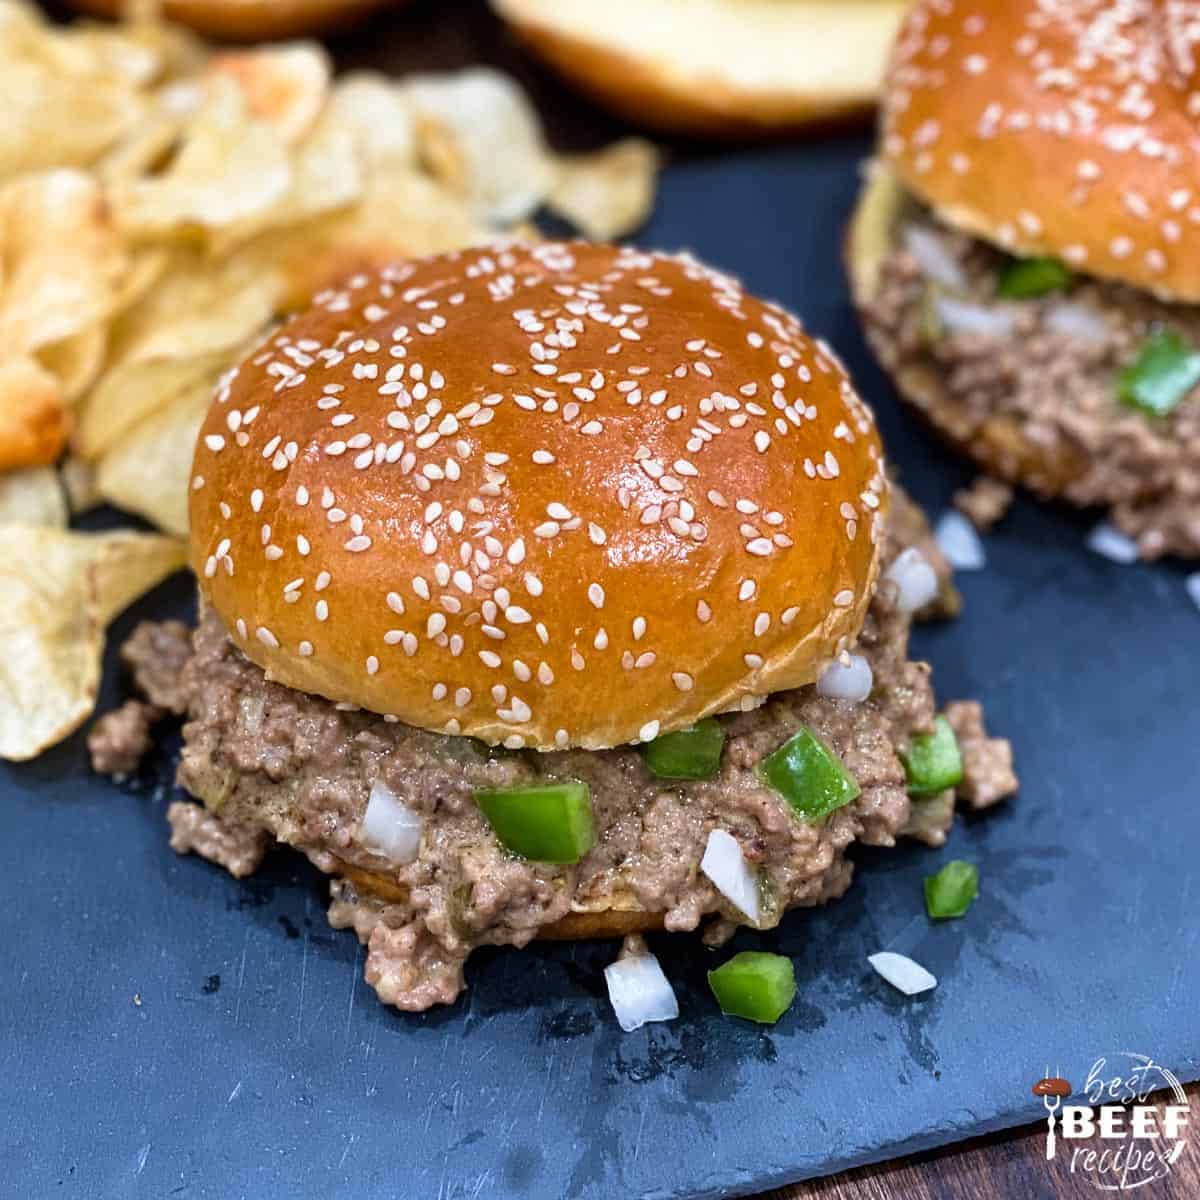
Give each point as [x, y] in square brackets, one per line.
[162, 206]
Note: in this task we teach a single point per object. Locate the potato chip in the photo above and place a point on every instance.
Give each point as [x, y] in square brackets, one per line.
[182, 332]
[60, 590]
[284, 85]
[127, 564]
[230, 168]
[76, 361]
[371, 109]
[147, 471]
[147, 267]
[142, 52]
[608, 193]
[478, 132]
[326, 175]
[402, 214]
[143, 150]
[79, 482]
[62, 256]
[32, 497]
[61, 106]
[51, 640]
[33, 421]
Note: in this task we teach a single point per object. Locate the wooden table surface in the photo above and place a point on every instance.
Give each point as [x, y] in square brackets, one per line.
[1000, 1167]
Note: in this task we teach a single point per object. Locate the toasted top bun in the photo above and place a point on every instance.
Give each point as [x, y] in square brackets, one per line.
[1064, 129]
[716, 68]
[247, 20]
[549, 496]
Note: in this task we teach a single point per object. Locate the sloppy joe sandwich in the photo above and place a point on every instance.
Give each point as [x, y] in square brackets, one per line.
[1025, 252]
[556, 591]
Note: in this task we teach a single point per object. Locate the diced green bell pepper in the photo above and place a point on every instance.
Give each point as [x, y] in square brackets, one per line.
[1028, 278]
[550, 823]
[933, 761]
[949, 893]
[692, 753]
[754, 985]
[1166, 369]
[809, 775]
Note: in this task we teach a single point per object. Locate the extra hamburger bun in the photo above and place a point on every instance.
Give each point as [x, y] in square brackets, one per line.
[252, 20]
[1000, 443]
[1065, 129]
[715, 68]
[567, 495]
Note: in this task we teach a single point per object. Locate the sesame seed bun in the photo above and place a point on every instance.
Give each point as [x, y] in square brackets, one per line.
[252, 20]
[715, 68]
[1063, 129]
[549, 496]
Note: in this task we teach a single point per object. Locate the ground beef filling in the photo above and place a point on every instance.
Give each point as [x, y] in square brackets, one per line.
[1059, 388]
[271, 763]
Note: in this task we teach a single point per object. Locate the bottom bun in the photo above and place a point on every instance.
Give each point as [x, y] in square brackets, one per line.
[998, 444]
[616, 917]
[251, 20]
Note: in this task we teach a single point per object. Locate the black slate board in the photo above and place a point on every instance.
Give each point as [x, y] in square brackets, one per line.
[167, 1030]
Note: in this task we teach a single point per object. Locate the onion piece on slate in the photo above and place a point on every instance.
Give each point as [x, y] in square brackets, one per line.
[902, 973]
[639, 992]
[960, 543]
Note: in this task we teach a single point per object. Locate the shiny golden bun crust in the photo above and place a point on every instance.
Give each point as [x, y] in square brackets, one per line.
[715, 68]
[1065, 129]
[567, 495]
[252, 20]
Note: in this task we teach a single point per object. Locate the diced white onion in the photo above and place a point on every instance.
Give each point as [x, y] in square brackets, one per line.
[841, 681]
[389, 826]
[639, 992]
[732, 876]
[960, 543]
[1076, 320]
[934, 259]
[961, 316]
[901, 972]
[252, 707]
[915, 578]
[1192, 583]
[1112, 544]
